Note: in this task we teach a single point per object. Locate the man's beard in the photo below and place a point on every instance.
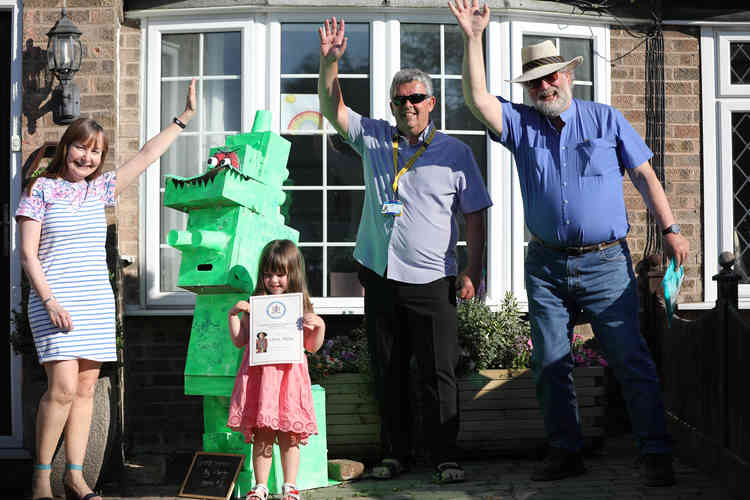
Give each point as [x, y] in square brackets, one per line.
[554, 108]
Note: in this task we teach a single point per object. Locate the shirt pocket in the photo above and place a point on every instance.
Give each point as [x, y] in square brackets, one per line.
[598, 157]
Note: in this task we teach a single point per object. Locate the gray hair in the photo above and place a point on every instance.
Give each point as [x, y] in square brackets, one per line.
[411, 75]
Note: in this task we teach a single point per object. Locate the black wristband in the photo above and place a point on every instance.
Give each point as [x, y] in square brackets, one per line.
[179, 122]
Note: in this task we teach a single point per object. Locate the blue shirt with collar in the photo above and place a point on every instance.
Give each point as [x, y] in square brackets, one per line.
[571, 181]
[418, 246]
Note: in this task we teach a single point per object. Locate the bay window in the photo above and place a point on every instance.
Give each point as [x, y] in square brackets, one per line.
[269, 60]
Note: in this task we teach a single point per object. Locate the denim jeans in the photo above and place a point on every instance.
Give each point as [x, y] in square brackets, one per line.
[601, 286]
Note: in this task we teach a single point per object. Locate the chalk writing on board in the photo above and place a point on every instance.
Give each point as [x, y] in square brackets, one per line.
[211, 475]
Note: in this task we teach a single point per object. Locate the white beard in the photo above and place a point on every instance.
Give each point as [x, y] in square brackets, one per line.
[554, 108]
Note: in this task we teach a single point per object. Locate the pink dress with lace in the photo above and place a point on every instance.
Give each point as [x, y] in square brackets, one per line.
[278, 397]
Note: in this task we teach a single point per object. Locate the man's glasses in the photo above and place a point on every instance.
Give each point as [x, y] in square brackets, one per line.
[537, 82]
[400, 100]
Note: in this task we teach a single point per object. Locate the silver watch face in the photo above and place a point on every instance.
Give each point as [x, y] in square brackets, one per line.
[674, 228]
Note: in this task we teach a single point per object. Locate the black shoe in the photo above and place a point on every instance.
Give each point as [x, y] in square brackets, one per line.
[657, 469]
[558, 464]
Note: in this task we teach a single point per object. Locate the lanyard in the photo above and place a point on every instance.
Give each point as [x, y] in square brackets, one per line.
[410, 161]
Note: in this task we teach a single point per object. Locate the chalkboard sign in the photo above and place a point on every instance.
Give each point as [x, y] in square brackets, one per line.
[211, 475]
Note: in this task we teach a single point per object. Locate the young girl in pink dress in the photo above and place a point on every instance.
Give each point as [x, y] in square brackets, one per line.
[271, 402]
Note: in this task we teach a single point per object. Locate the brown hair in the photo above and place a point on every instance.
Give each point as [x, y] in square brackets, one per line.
[283, 256]
[83, 130]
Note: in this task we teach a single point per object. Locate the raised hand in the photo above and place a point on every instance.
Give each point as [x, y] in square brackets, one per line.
[190, 100]
[470, 17]
[332, 40]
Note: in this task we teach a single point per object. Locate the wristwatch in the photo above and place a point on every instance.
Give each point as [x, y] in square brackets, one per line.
[674, 228]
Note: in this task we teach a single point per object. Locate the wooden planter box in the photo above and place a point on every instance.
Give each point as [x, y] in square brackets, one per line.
[352, 420]
[498, 408]
[500, 412]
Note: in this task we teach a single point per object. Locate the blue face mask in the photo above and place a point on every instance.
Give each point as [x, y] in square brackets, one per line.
[672, 282]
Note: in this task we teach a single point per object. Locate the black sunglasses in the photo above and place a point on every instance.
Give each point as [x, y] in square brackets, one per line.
[400, 100]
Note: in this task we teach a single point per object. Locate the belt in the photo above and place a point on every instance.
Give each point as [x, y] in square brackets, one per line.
[578, 250]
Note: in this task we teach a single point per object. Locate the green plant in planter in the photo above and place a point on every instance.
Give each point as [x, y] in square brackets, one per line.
[492, 339]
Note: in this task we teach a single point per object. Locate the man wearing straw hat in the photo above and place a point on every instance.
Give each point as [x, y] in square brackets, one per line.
[570, 156]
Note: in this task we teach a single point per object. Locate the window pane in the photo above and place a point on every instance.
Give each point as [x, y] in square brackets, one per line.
[222, 53]
[305, 162]
[457, 115]
[437, 115]
[313, 270]
[739, 63]
[741, 188]
[180, 55]
[170, 219]
[583, 92]
[478, 145]
[173, 103]
[420, 47]
[342, 273]
[300, 49]
[356, 94]
[182, 158]
[223, 105]
[574, 47]
[299, 86]
[306, 214]
[344, 164]
[170, 267]
[344, 212]
[454, 49]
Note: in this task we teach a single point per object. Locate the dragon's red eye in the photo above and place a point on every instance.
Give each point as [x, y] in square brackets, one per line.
[226, 162]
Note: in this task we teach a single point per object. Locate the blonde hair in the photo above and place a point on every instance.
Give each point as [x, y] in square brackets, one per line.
[83, 130]
[283, 257]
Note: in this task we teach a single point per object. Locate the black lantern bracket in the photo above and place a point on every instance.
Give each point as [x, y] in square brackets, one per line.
[64, 54]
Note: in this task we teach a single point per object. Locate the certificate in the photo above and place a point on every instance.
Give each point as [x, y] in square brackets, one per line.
[276, 329]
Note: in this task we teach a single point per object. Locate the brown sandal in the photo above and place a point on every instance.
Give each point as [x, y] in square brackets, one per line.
[449, 472]
[388, 468]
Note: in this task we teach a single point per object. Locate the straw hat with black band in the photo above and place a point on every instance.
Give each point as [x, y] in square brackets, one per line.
[543, 59]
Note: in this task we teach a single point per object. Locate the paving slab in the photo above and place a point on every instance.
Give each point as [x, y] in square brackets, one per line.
[611, 474]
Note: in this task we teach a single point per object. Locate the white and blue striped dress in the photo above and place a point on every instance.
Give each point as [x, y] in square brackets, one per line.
[73, 257]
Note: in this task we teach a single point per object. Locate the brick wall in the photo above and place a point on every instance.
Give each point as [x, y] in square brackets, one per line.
[159, 418]
[129, 135]
[682, 152]
[98, 20]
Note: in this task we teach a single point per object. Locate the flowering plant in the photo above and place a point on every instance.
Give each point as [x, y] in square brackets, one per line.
[341, 354]
[487, 339]
[584, 353]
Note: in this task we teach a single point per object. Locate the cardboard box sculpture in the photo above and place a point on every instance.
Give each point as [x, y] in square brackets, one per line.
[233, 211]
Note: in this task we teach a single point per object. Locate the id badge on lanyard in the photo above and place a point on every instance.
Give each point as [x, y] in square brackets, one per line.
[395, 207]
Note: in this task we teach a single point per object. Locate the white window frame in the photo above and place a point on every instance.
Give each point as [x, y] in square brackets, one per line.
[718, 100]
[253, 91]
[505, 235]
[11, 446]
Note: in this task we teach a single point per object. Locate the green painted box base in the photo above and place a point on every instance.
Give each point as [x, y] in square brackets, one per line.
[313, 467]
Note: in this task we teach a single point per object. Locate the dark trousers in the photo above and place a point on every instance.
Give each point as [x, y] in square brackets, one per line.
[402, 320]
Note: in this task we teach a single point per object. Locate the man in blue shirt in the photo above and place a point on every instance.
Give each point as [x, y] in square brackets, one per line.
[417, 181]
[570, 156]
